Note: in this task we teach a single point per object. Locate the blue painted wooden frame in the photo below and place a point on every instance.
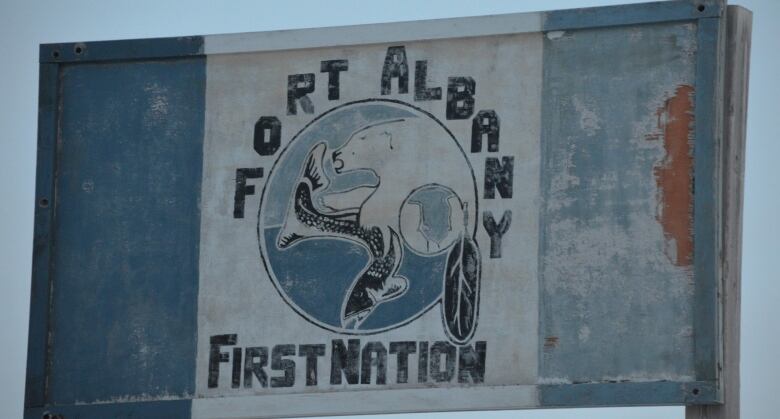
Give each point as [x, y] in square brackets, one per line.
[37, 346]
[710, 18]
[121, 50]
[628, 393]
[163, 409]
[707, 198]
[633, 14]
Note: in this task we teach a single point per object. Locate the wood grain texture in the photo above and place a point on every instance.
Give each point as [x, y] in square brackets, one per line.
[739, 26]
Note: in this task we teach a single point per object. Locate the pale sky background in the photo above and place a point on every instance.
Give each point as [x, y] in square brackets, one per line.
[26, 23]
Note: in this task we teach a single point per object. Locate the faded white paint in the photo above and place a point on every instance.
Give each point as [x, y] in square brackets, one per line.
[236, 295]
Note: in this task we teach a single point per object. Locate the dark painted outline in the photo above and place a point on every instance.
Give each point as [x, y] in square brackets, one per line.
[297, 309]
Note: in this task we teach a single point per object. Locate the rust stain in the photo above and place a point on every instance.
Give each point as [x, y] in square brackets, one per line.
[674, 175]
[550, 343]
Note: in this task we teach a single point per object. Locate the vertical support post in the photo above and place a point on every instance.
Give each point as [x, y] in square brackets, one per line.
[737, 65]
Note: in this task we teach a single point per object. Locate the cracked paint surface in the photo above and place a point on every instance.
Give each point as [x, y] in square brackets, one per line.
[615, 245]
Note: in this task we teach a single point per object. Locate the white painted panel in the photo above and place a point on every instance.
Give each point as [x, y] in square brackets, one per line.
[266, 305]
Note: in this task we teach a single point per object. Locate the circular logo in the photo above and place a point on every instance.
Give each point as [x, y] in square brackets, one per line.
[368, 218]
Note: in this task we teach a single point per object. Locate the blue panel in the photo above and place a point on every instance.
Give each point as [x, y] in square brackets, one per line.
[124, 302]
[122, 50]
[632, 14]
[613, 305]
[627, 394]
[35, 391]
[172, 409]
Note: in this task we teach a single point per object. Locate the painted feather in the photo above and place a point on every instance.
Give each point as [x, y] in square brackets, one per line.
[461, 290]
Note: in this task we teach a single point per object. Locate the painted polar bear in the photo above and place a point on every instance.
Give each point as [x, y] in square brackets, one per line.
[410, 160]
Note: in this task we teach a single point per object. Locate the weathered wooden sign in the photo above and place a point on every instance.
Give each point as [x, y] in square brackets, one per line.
[509, 211]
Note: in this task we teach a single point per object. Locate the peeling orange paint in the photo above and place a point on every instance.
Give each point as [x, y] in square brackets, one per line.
[674, 175]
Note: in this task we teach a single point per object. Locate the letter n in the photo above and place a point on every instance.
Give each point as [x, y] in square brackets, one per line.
[498, 175]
